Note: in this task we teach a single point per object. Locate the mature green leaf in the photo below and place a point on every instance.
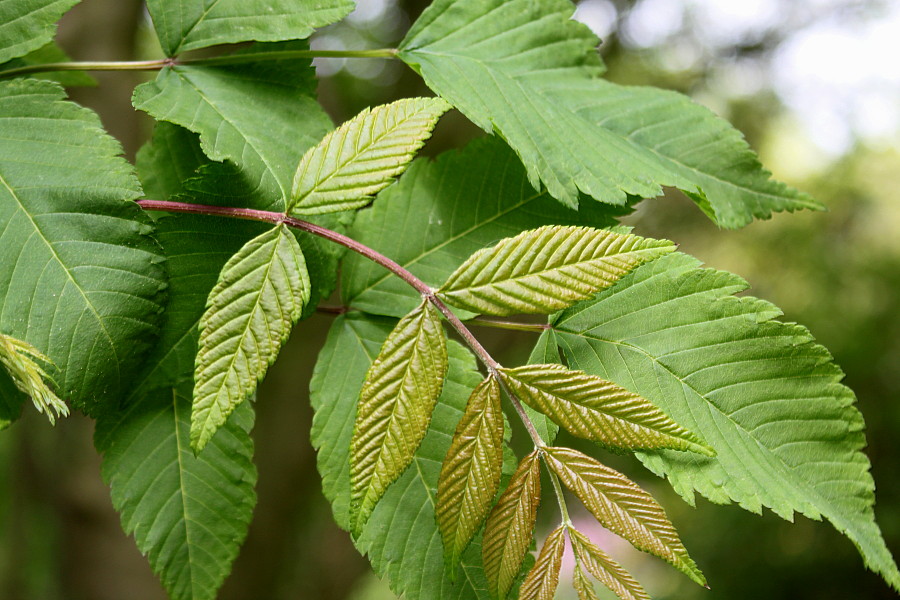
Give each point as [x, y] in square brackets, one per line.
[363, 156]
[20, 361]
[258, 298]
[547, 269]
[598, 410]
[543, 578]
[510, 527]
[762, 393]
[171, 157]
[470, 474]
[622, 506]
[26, 25]
[582, 585]
[605, 569]
[261, 116]
[546, 351]
[448, 209]
[80, 277]
[395, 405]
[50, 53]
[524, 69]
[188, 513]
[190, 24]
[401, 537]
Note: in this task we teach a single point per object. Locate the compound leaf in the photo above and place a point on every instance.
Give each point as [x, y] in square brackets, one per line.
[395, 406]
[470, 474]
[543, 578]
[81, 278]
[258, 298]
[510, 527]
[622, 507]
[190, 24]
[401, 537]
[19, 360]
[188, 514]
[26, 25]
[605, 569]
[449, 208]
[598, 410]
[363, 156]
[260, 116]
[547, 269]
[760, 392]
[524, 69]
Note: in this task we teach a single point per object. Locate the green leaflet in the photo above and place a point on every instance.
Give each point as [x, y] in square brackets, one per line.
[547, 269]
[762, 393]
[190, 24]
[363, 156]
[582, 585]
[260, 295]
[401, 538]
[543, 578]
[188, 514]
[622, 507]
[80, 277]
[598, 410]
[545, 351]
[190, 548]
[445, 218]
[470, 474]
[260, 116]
[510, 527]
[605, 569]
[172, 156]
[26, 25]
[49, 53]
[522, 68]
[19, 358]
[395, 406]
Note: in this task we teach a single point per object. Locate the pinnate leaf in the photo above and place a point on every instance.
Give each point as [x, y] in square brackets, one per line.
[363, 156]
[525, 69]
[546, 269]
[543, 578]
[761, 392]
[26, 25]
[260, 295]
[470, 474]
[190, 24]
[395, 406]
[622, 507]
[598, 410]
[19, 359]
[605, 569]
[510, 527]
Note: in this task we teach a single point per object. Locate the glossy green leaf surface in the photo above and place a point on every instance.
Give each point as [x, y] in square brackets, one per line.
[401, 537]
[470, 474]
[622, 506]
[509, 529]
[547, 269]
[598, 410]
[190, 24]
[395, 405]
[261, 116]
[446, 217]
[26, 25]
[525, 70]
[250, 312]
[760, 392]
[363, 156]
[81, 278]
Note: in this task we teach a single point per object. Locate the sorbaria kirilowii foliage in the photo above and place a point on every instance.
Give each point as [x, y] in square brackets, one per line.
[160, 325]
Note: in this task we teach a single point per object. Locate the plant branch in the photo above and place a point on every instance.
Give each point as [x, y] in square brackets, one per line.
[417, 284]
[214, 61]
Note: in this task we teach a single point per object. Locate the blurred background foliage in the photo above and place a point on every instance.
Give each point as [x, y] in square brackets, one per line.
[815, 86]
